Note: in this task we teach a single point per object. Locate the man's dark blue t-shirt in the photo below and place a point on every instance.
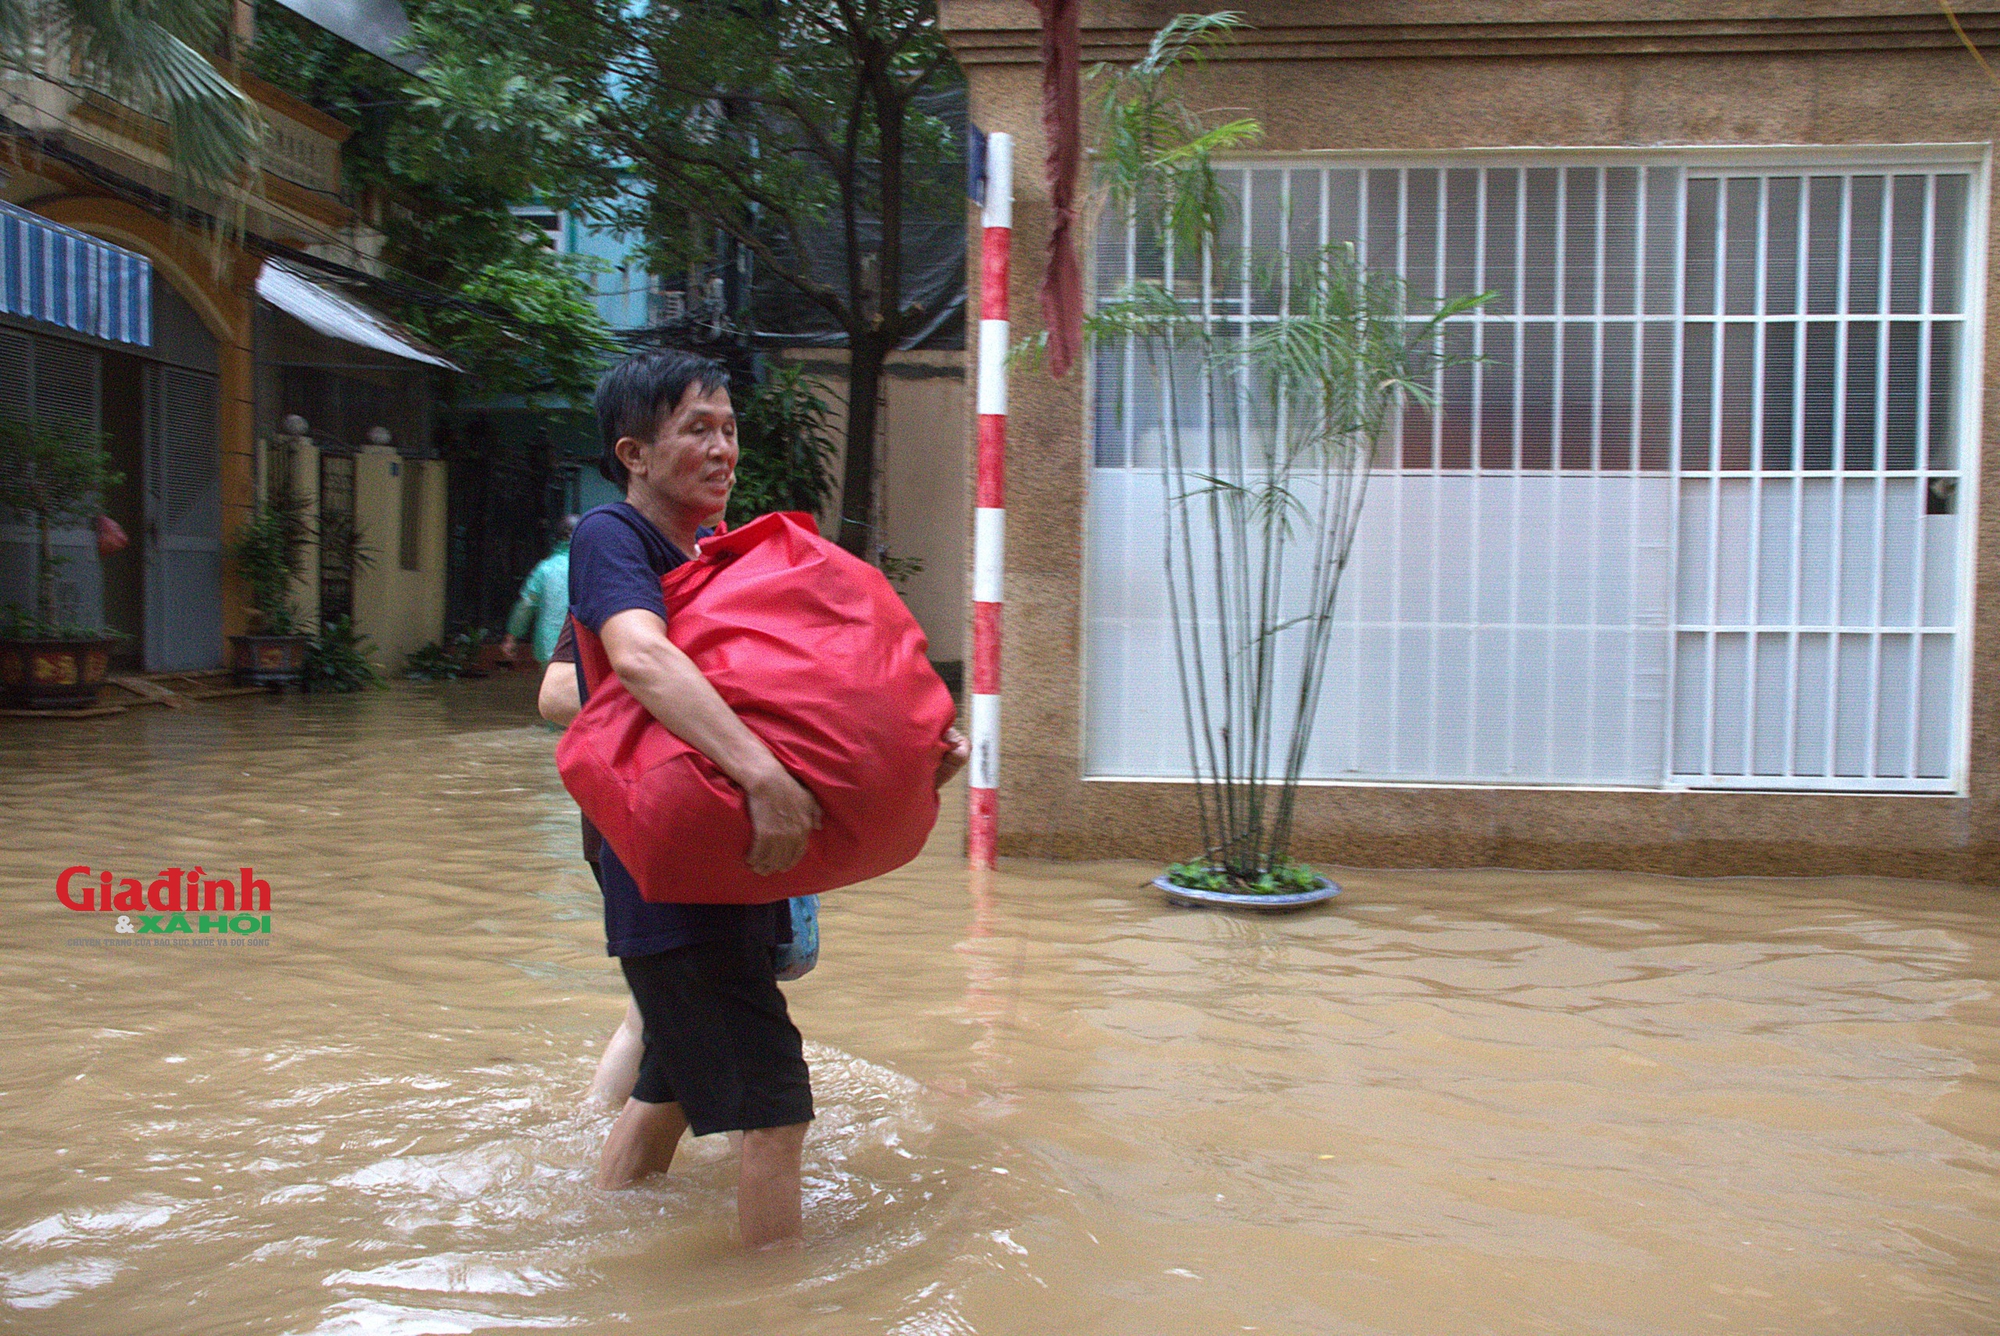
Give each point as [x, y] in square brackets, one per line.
[616, 559]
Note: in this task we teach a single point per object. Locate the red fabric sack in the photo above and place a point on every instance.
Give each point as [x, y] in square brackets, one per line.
[110, 536]
[819, 657]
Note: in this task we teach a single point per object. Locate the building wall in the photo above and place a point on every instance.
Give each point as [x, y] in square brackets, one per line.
[621, 286]
[399, 609]
[920, 473]
[1409, 78]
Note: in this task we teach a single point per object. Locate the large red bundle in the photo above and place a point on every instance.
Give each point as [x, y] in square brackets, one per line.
[819, 657]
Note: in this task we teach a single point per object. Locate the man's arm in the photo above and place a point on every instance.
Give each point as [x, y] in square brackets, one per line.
[558, 700]
[666, 682]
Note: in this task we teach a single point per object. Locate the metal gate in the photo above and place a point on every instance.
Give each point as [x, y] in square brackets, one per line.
[54, 382]
[338, 536]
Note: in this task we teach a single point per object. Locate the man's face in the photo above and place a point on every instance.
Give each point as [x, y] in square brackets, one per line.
[690, 464]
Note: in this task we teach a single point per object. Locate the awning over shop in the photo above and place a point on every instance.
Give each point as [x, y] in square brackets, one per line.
[62, 277]
[376, 26]
[338, 316]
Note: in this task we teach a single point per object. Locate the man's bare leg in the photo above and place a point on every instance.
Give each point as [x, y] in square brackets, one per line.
[767, 1185]
[618, 1069]
[642, 1142]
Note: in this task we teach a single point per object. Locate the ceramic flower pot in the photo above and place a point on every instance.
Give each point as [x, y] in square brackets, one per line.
[1188, 895]
[54, 674]
[268, 661]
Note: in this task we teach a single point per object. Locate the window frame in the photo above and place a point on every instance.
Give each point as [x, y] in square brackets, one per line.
[1975, 159]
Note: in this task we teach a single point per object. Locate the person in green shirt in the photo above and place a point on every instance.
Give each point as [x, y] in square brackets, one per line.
[544, 601]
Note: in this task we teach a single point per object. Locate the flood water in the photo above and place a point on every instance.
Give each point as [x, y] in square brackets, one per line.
[1457, 1102]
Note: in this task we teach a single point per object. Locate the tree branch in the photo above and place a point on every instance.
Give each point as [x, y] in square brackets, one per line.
[688, 196]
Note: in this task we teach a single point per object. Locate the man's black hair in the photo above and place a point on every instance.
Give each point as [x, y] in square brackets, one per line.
[634, 396]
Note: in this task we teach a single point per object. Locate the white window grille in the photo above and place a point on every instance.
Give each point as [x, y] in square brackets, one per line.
[552, 224]
[1697, 519]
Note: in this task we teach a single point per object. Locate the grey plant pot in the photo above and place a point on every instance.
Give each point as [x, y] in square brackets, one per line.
[54, 674]
[269, 661]
[1188, 895]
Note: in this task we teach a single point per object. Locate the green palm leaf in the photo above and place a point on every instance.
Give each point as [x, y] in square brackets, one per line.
[147, 55]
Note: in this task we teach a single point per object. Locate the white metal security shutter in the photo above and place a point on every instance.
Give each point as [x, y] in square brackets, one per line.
[183, 520]
[1820, 554]
[1534, 595]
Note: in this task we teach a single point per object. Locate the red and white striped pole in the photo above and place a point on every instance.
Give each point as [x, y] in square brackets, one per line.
[989, 532]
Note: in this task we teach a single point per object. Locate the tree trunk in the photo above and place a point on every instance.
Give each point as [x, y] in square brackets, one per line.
[45, 575]
[866, 355]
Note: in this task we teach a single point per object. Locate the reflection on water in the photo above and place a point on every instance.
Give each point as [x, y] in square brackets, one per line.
[1463, 1101]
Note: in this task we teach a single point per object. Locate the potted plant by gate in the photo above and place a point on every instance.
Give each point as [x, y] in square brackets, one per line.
[269, 552]
[1261, 504]
[51, 476]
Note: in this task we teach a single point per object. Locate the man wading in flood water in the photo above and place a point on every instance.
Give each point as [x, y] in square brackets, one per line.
[719, 1052]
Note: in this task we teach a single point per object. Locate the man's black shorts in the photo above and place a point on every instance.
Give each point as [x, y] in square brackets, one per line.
[719, 1041]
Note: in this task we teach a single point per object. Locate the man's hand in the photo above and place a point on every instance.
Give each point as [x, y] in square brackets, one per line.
[954, 759]
[782, 815]
[666, 682]
[509, 647]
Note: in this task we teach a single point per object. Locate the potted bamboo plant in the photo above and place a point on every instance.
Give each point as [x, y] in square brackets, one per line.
[1261, 508]
[51, 476]
[269, 551]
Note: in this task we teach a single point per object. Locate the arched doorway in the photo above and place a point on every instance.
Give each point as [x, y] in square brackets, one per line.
[156, 408]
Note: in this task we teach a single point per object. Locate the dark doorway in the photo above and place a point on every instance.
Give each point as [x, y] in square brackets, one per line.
[506, 492]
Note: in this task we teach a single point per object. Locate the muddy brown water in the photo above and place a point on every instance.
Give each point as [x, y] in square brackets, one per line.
[1457, 1102]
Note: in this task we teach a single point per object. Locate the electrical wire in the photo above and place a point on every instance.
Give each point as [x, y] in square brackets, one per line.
[1958, 28]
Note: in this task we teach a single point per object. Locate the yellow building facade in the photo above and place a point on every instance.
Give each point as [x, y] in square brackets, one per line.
[193, 416]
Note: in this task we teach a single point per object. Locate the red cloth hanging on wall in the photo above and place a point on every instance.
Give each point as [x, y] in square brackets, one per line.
[815, 652]
[1062, 117]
